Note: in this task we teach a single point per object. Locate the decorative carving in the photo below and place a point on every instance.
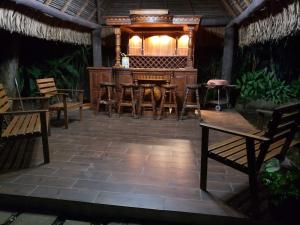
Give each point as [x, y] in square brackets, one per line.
[118, 46]
[117, 20]
[190, 20]
[136, 19]
[140, 19]
[190, 48]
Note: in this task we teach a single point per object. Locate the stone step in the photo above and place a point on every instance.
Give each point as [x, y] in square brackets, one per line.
[36, 219]
[4, 216]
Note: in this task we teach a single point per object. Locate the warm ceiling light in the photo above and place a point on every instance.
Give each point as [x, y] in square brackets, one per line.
[165, 39]
[136, 39]
[184, 38]
[155, 39]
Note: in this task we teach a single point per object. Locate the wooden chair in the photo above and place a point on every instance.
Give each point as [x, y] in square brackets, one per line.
[47, 88]
[247, 151]
[24, 124]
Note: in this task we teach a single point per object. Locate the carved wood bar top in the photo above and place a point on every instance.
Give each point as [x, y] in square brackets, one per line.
[145, 69]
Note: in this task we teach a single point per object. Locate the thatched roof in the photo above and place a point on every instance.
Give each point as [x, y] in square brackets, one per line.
[270, 25]
[90, 13]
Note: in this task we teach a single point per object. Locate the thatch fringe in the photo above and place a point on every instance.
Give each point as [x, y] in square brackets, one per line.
[286, 23]
[14, 21]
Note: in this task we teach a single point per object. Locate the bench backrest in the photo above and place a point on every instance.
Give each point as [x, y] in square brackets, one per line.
[4, 105]
[47, 86]
[281, 130]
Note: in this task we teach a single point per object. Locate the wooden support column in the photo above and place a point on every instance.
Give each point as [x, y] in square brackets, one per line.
[228, 51]
[118, 47]
[231, 35]
[97, 48]
[190, 48]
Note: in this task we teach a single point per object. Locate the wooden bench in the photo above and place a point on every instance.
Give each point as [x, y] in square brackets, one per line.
[24, 124]
[47, 88]
[247, 152]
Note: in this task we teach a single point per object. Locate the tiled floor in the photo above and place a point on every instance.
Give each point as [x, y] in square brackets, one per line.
[139, 163]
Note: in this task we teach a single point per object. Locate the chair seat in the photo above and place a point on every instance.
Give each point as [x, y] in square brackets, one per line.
[60, 105]
[23, 125]
[234, 149]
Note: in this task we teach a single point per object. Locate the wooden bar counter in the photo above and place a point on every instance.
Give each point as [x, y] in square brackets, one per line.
[180, 77]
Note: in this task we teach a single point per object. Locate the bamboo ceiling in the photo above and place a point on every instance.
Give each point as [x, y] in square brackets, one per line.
[87, 9]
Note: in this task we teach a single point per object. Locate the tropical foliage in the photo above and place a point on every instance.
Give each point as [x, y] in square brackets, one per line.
[67, 71]
[264, 84]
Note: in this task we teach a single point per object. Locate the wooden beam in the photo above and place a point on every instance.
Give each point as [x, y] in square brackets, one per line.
[231, 37]
[237, 6]
[92, 14]
[253, 7]
[247, 2]
[82, 8]
[97, 48]
[228, 8]
[66, 5]
[99, 4]
[56, 13]
[48, 2]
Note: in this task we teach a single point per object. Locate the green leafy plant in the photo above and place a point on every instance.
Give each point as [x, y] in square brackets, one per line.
[262, 84]
[282, 183]
[67, 71]
[295, 87]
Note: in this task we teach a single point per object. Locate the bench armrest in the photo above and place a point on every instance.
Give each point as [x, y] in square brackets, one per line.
[234, 132]
[29, 98]
[23, 112]
[70, 90]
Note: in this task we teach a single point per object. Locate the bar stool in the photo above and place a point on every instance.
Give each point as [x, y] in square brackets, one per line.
[189, 90]
[108, 90]
[125, 102]
[169, 93]
[143, 103]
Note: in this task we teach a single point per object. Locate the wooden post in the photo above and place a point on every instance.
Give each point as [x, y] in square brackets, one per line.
[190, 48]
[230, 37]
[228, 51]
[97, 48]
[118, 46]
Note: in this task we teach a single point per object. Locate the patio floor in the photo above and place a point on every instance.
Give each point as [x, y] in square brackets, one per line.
[126, 168]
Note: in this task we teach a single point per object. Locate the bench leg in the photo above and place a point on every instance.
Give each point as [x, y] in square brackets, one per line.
[80, 112]
[66, 118]
[44, 131]
[204, 158]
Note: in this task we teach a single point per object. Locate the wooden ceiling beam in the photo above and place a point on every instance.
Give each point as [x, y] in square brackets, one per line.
[82, 8]
[66, 5]
[247, 2]
[92, 14]
[253, 7]
[237, 6]
[48, 2]
[228, 8]
[56, 13]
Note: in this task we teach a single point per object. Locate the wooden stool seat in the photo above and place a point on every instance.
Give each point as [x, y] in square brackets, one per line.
[171, 102]
[189, 90]
[142, 102]
[108, 89]
[127, 103]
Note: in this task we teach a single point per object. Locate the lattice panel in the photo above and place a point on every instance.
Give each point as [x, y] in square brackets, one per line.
[172, 62]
